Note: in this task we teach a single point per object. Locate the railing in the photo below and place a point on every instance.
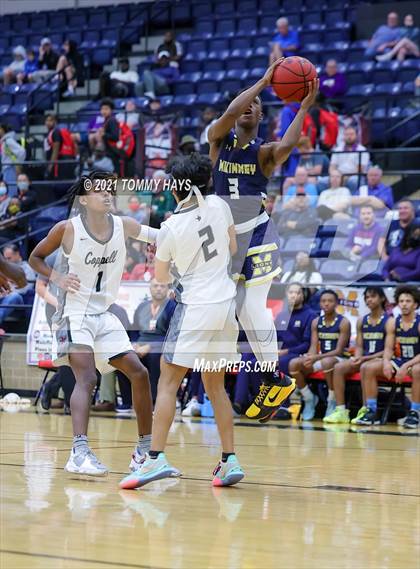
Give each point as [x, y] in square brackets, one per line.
[414, 116]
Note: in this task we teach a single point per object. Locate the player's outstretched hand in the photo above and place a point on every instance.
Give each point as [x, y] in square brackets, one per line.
[69, 283]
[269, 73]
[309, 100]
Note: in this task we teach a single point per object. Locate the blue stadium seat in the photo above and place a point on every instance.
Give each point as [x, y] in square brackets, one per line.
[74, 35]
[226, 28]
[213, 75]
[248, 26]
[91, 35]
[339, 270]
[384, 71]
[248, 6]
[117, 16]
[111, 44]
[200, 10]
[204, 26]
[257, 61]
[23, 94]
[21, 22]
[4, 45]
[361, 90]
[184, 101]
[58, 20]
[225, 7]
[77, 20]
[207, 86]
[7, 94]
[269, 6]
[56, 38]
[240, 43]
[256, 72]
[295, 244]
[262, 40]
[333, 16]
[268, 23]
[408, 88]
[181, 13]
[16, 116]
[3, 109]
[294, 19]
[17, 40]
[370, 270]
[218, 44]
[98, 18]
[337, 50]
[196, 46]
[190, 65]
[39, 21]
[392, 89]
[184, 87]
[336, 35]
[292, 5]
[209, 99]
[310, 36]
[312, 18]
[407, 72]
[166, 101]
[102, 55]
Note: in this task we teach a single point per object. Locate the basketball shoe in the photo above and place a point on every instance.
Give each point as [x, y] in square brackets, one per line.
[137, 460]
[270, 397]
[151, 469]
[339, 415]
[228, 473]
[360, 413]
[85, 462]
[369, 417]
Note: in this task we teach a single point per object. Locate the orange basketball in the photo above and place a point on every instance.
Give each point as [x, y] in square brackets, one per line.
[291, 77]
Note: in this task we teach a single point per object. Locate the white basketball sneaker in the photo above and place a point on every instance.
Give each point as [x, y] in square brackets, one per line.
[85, 462]
[193, 409]
[137, 460]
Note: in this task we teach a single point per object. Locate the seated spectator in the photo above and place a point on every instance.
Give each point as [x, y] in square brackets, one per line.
[71, 66]
[12, 155]
[187, 145]
[385, 37]
[130, 115]
[298, 218]
[408, 45]
[303, 271]
[31, 65]
[99, 161]
[12, 254]
[366, 240]
[9, 210]
[300, 187]
[406, 216]
[315, 163]
[334, 203]
[119, 83]
[351, 159]
[160, 79]
[48, 60]
[173, 47]
[17, 66]
[59, 147]
[375, 193]
[137, 210]
[285, 41]
[159, 140]
[403, 264]
[332, 83]
[26, 195]
[208, 117]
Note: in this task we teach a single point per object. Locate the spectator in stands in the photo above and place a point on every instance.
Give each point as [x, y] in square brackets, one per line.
[150, 338]
[162, 201]
[173, 47]
[48, 60]
[351, 159]
[17, 66]
[27, 196]
[366, 239]
[70, 64]
[403, 264]
[12, 254]
[385, 37]
[315, 163]
[59, 148]
[406, 216]
[298, 218]
[285, 41]
[407, 45]
[332, 83]
[375, 193]
[9, 210]
[109, 133]
[300, 187]
[187, 145]
[99, 161]
[31, 65]
[208, 117]
[119, 83]
[130, 115]
[160, 79]
[303, 271]
[12, 155]
[417, 86]
[334, 203]
[136, 209]
[4, 199]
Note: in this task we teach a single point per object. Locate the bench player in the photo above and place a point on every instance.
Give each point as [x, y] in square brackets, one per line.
[370, 343]
[243, 164]
[85, 335]
[198, 240]
[401, 358]
[330, 335]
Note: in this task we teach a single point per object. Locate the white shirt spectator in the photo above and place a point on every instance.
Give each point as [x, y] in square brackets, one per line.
[335, 198]
[301, 277]
[125, 76]
[348, 162]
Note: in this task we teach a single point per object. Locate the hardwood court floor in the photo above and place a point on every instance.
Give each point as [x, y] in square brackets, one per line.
[311, 499]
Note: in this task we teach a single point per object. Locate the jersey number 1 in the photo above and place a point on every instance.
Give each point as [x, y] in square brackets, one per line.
[98, 281]
[207, 231]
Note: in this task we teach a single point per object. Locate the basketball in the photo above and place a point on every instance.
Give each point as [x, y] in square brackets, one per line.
[291, 77]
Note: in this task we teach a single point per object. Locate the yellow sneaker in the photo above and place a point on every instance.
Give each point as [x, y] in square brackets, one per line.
[270, 397]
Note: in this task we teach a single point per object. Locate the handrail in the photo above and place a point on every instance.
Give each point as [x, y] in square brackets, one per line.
[402, 122]
[31, 213]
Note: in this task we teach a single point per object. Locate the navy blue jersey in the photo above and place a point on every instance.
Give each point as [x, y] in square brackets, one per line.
[407, 342]
[373, 335]
[237, 177]
[294, 329]
[328, 335]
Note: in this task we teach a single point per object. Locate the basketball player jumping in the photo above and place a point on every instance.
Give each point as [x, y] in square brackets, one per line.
[243, 164]
[85, 335]
[198, 240]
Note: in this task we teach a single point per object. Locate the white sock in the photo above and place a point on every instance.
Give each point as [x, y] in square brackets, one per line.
[341, 407]
[143, 446]
[331, 395]
[306, 393]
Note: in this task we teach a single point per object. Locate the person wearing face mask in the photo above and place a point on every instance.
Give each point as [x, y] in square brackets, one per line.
[136, 209]
[403, 264]
[4, 199]
[26, 195]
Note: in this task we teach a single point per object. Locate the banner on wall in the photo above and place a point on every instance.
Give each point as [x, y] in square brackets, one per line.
[39, 339]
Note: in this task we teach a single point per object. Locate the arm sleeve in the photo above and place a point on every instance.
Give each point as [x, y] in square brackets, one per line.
[56, 136]
[387, 197]
[163, 244]
[303, 347]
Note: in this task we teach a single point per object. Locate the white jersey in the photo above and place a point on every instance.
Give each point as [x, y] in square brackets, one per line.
[99, 266]
[196, 240]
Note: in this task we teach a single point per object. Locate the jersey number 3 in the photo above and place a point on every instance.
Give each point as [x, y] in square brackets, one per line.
[233, 188]
[208, 233]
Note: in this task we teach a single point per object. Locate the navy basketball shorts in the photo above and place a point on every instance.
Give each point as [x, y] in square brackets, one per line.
[258, 256]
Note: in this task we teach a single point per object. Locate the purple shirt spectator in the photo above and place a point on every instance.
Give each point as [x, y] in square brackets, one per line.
[406, 265]
[96, 122]
[366, 239]
[332, 83]
[380, 191]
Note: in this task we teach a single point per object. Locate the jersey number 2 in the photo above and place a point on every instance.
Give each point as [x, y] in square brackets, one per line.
[233, 188]
[207, 231]
[98, 281]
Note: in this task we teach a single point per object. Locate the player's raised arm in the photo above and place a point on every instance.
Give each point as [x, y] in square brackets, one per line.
[238, 106]
[135, 230]
[275, 153]
[13, 272]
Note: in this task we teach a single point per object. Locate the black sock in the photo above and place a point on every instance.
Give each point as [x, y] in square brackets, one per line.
[226, 455]
[154, 453]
